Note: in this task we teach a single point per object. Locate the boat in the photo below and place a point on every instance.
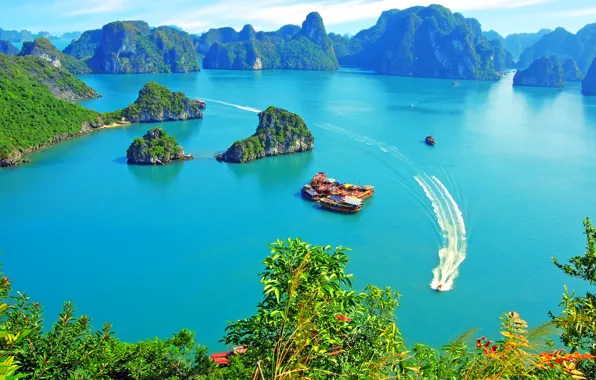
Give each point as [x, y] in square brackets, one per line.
[429, 140]
[309, 193]
[438, 289]
[347, 189]
[348, 205]
[319, 178]
[456, 83]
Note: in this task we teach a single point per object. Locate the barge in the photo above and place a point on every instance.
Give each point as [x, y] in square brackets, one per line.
[347, 205]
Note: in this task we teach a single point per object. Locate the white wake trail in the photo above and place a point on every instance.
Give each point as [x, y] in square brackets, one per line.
[244, 108]
[453, 229]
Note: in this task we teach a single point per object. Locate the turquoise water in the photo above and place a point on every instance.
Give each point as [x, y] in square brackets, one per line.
[156, 249]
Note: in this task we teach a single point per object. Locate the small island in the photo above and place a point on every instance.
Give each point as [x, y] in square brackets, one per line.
[156, 104]
[279, 132]
[156, 147]
[543, 72]
[589, 82]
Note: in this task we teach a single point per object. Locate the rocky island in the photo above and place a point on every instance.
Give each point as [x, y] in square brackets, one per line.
[131, 47]
[308, 48]
[156, 103]
[571, 72]
[543, 72]
[279, 132]
[420, 41]
[43, 48]
[589, 82]
[156, 147]
[8, 48]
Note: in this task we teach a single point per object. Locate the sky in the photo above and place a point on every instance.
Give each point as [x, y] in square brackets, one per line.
[348, 16]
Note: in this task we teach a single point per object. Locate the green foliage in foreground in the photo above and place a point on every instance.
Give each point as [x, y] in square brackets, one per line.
[31, 116]
[310, 324]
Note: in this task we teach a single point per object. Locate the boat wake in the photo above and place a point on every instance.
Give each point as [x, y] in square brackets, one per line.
[453, 229]
[244, 108]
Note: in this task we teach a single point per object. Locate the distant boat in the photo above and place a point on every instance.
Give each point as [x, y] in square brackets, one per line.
[412, 105]
[429, 140]
[456, 83]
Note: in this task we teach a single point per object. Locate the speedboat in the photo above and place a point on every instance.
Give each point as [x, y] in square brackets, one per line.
[438, 289]
[429, 140]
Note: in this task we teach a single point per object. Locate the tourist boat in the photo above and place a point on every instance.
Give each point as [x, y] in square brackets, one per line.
[319, 178]
[309, 193]
[429, 140]
[362, 192]
[348, 205]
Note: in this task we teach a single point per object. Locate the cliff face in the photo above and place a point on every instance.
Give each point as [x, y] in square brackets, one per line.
[85, 46]
[502, 59]
[8, 48]
[589, 82]
[518, 42]
[308, 49]
[581, 47]
[544, 72]
[157, 103]
[279, 132]
[571, 71]
[155, 148]
[134, 47]
[43, 48]
[423, 42]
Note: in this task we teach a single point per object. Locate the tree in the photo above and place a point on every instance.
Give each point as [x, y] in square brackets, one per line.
[311, 323]
[578, 318]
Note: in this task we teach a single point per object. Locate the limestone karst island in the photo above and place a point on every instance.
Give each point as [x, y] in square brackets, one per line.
[285, 190]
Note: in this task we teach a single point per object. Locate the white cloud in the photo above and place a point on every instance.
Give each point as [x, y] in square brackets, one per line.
[274, 13]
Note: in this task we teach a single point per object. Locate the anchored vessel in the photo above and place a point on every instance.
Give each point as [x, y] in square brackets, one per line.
[429, 140]
[349, 205]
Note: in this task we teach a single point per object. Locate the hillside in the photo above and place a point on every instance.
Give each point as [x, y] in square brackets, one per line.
[308, 49]
[32, 117]
[43, 48]
[422, 42]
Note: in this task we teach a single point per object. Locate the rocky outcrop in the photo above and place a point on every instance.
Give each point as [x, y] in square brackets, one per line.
[572, 73]
[134, 47]
[544, 72]
[518, 42]
[279, 132]
[8, 48]
[581, 47]
[43, 48]
[502, 59]
[423, 42]
[156, 103]
[308, 49]
[589, 82]
[85, 46]
[155, 148]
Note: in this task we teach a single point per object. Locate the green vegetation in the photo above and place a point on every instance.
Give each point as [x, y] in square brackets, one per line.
[310, 324]
[42, 47]
[279, 132]
[307, 48]
[84, 47]
[134, 47]
[156, 147]
[157, 103]
[31, 115]
[544, 72]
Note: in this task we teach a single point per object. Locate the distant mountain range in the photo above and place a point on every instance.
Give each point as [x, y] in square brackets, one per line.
[14, 36]
[418, 41]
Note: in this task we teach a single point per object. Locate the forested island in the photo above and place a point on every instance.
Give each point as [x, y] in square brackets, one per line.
[156, 147]
[279, 132]
[30, 125]
[544, 72]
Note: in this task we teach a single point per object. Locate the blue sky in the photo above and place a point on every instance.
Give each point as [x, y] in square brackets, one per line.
[348, 16]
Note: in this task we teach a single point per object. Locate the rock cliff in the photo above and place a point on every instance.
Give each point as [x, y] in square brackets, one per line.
[134, 47]
[572, 72]
[8, 48]
[279, 132]
[589, 82]
[43, 48]
[422, 42]
[307, 49]
[157, 103]
[155, 148]
[544, 72]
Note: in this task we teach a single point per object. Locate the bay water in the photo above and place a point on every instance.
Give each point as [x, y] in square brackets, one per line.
[156, 249]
